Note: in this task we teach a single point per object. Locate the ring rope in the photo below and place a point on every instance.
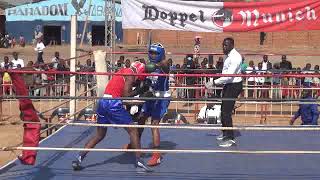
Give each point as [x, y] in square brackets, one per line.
[83, 93]
[161, 150]
[191, 127]
[55, 124]
[190, 100]
[165, 75]
[212, 53]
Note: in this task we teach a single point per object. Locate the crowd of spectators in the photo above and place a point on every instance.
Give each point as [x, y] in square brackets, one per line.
[256, 87]
[276, 87]
[37, 84]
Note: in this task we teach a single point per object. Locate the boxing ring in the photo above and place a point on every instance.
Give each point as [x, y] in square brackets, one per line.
[219, 165]
[189, 151]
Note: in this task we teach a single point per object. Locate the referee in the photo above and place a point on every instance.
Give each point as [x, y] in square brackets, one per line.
[232, 87]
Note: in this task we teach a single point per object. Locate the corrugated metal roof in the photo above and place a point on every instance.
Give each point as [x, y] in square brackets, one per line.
[11, 3]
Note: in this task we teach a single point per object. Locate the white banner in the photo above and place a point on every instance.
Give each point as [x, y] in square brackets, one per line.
[171, 15]
[203, 16]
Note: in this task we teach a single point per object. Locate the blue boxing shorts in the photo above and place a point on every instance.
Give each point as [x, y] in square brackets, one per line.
[112, 112]
[155, 108]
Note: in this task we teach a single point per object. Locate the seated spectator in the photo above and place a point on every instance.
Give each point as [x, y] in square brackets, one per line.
[309, 112]
[16, 61]
[6, 64]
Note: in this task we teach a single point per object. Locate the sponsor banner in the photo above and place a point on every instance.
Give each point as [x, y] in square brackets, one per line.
[273, 15]
[61, 10]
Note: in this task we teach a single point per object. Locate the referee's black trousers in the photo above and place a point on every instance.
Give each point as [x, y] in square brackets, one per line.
[232, 91]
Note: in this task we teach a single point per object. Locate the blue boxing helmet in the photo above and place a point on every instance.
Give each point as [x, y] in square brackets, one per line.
[159, 50]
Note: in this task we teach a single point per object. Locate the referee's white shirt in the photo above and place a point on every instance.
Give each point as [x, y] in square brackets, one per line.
[231, 65]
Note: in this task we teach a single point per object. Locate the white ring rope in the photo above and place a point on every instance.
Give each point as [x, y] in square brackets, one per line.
[244, 128]
[162, 150]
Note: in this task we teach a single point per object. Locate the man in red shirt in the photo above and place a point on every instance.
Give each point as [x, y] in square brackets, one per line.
[111, 111]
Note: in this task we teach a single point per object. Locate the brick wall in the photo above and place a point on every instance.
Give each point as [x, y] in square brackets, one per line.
[246, 40]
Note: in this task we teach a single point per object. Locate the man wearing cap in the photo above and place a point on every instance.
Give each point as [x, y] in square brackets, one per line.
[307, 110]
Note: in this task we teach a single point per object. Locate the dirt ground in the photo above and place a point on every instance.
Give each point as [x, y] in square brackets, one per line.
[11, 130]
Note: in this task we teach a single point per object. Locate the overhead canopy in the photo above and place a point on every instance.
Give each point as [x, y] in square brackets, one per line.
[61, 10]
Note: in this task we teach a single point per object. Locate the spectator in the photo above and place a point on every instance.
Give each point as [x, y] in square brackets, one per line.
[172, 67]
[142, 60]
[292, 84]
[307, 80]
[55, 61]
[190, 81]
[39, 49]
[6, 82]
[208, 64]
[251, 80]
[51, 79]
[285, 86]
[120, 62]
[299, 83]
[6, 64]
[22, 41]
[266, 64]
[244, 65]
[276, 81]
[127, 63]
[196, 63]
[205, 62]
[37, 79]
[28, 77]
[316, 81]
[89, 79]
[13, 42]
[259, 80]
[284, 64]
[219, 64]
[16, 61]
[309, 112]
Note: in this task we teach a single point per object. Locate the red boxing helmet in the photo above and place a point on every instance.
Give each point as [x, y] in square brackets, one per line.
[139, 68]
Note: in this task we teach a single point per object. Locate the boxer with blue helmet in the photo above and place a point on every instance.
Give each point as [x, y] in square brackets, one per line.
[159, 50]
